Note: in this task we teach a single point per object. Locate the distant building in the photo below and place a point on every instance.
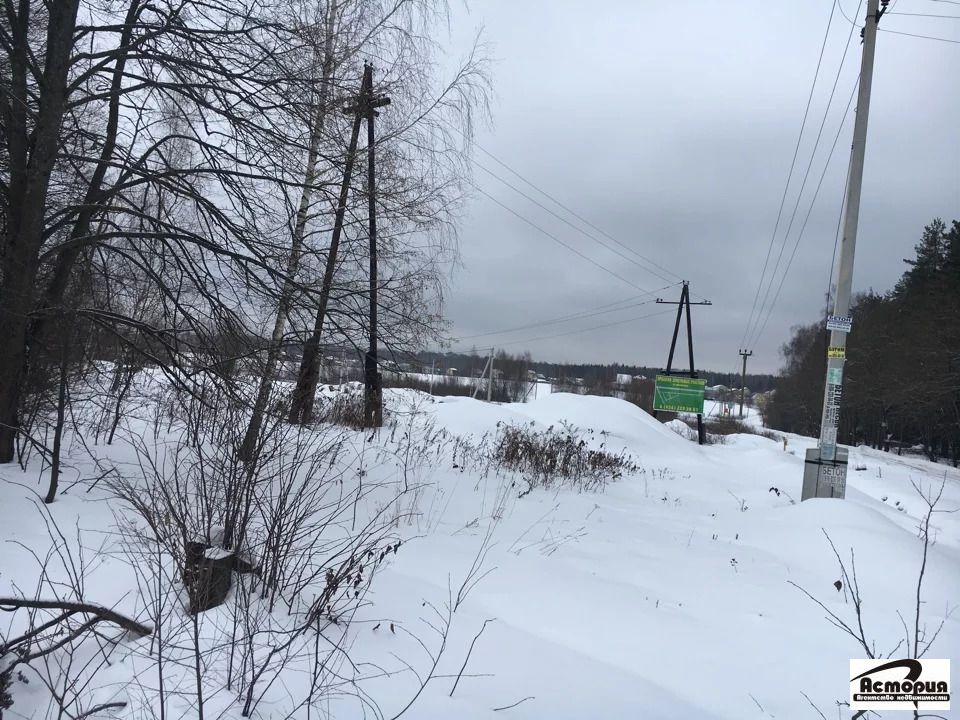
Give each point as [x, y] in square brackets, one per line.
[623, 379]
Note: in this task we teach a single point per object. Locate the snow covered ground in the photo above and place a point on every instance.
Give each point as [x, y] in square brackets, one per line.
[671, 594]
[715, 408]
[539, 389]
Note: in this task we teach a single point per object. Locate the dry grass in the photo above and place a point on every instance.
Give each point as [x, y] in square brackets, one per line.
[552, 456]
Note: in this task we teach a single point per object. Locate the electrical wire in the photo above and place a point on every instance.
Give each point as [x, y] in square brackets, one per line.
[564, 220]
[925, 37]
[583, 330]
[914, 35]
[809, 211]
[803, 185]
[561, 242]
[793, 163]
[575, 316]
[552, 199]
[926, 15]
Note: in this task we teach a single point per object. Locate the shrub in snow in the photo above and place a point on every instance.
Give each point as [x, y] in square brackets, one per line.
[546, 457]
[6, 680]
[344, 407]
[223, 539]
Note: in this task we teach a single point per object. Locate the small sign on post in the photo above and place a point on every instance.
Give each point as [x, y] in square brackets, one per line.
[836, 352]
[824, 477]
[679, 394]
[840, 324]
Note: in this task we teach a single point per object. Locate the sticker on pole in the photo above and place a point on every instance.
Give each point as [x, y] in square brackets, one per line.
[839, 324]
[836, 352]
[679, 394]
[835, 376]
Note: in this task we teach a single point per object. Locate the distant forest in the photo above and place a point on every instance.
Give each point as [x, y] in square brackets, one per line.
[901, 380]
[592, 374]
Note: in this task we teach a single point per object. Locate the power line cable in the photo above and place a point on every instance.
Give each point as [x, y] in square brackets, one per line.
[925, 37]
[564, 220]
[926, 15]
[561, 242]
[583, 330]
[575, 316]
[554, 200]
[806, 175]
[793, 254]
[793, 163]
[915, 35]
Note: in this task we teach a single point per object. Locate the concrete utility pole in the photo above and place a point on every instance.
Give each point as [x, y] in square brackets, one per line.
[483, 374]
[825, 473]
[743, 377]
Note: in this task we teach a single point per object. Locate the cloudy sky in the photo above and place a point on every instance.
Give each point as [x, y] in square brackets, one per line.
[670, 126]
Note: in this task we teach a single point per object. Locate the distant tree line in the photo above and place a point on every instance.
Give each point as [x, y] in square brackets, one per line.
[901, 383]
[592, 374]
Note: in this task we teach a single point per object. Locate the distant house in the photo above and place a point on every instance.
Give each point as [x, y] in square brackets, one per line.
[451, 371]
[623, 379]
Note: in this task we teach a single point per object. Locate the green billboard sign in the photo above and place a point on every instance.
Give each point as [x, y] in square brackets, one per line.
[678, 394]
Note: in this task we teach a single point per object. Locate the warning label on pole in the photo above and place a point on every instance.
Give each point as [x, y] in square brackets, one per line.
[836, 352]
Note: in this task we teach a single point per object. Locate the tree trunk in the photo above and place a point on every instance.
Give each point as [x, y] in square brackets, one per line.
[32, 155]
[301, 406]
[58, 430]
[296, 245]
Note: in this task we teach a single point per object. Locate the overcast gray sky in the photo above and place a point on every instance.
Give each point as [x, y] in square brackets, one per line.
[671, 125]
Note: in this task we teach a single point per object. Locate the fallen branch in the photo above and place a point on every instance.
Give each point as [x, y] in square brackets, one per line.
[507, 707]
[100, 708]
[102, 613]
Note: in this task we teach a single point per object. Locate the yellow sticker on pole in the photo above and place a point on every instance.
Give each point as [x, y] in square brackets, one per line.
[836, 352]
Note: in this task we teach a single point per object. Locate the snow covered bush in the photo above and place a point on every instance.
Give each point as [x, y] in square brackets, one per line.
[564, 455]
[343, 406]
[251, 564]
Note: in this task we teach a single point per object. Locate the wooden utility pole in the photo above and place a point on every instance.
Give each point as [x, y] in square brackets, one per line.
[743, 377]
[490, 378]
[304, 393]
[373, 380]
[684, 304]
